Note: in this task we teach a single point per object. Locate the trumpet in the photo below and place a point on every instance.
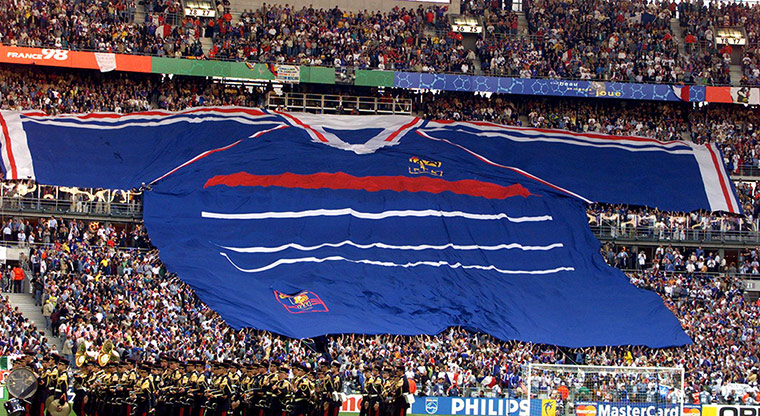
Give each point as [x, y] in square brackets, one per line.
[213, 393]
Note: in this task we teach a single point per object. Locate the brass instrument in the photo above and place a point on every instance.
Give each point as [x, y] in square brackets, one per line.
[107, 354]
[84, 354]
[56, 408]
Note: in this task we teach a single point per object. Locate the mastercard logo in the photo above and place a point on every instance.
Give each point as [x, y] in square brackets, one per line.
[691, 411]
[586, 410]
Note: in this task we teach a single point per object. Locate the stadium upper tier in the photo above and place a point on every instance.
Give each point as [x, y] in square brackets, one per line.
[628, 41]
[57, 91]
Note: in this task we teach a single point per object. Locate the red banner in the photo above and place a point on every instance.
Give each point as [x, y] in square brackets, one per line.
[75, 59]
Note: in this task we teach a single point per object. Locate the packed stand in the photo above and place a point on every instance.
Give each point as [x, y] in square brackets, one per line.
[469, 107]
[78, 91]
[699, 21]
[309, 36]
[621, 221]
[58, 92]
[662, 121]
[599, 40]
[18, 334]
[90, 25]
[733, 129]
[98, 283]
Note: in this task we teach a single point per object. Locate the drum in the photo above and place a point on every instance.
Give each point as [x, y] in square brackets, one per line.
[21, 383]
[14, 407]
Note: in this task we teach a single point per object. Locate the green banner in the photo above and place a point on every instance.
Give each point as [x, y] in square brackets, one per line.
[317, 75]
[250, 71]
[195, 67]
[368, 78]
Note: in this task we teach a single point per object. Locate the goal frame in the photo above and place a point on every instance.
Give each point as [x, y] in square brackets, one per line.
[598, 368]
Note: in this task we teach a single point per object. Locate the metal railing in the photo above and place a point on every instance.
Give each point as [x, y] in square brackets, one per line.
[56, 200]
[336, 104]
[670, 235]
[747, 170]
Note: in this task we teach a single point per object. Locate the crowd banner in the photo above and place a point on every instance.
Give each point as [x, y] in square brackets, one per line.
[626, 409]
[369, 78]
[106, 62]
[72, 59]
[730, 410]
[290, 74]
[548, 87]
[352, 404]
[314, 74]
[192, 67]
[479, 406]
[735, 95]
[272, 233]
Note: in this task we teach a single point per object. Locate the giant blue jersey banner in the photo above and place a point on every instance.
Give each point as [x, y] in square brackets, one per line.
[307, 225]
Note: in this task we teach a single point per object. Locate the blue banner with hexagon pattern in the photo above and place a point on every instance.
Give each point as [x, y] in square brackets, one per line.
[549, 87]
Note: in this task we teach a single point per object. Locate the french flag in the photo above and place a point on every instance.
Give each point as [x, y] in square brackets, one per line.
[682, 92]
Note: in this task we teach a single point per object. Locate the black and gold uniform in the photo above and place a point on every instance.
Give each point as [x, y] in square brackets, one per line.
[80, 388]
[322, 396]
[386, 399]
[400, 389]
[373, 389]
[199, 385]
[144, 391]
[224, 386]
[46, 381]
[281, 392]
[333, 388]
[270, 381]
[184, 400]
[302, 391]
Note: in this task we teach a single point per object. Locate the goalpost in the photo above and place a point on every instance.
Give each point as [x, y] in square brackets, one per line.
[583, 390]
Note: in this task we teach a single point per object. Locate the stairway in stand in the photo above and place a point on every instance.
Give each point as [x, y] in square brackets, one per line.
[25, 303]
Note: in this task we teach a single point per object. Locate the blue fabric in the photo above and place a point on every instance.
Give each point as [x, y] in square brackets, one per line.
[544, 87]
[400, 274]
[607, 174]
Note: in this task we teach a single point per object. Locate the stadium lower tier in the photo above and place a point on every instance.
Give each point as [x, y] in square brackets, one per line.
[101, 300]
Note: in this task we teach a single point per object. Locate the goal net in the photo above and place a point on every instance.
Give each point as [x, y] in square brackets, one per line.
[574, 390]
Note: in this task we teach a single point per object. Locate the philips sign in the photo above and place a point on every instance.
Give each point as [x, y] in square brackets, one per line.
[466, 406]
[489, 407]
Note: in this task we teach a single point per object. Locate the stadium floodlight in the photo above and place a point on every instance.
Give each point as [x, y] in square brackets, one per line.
[583, 390]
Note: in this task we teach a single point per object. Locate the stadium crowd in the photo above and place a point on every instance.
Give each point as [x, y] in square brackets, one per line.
[96, 283]
[648, 119]
[18, 334]
[55, 92]
[650, 223]
[596, 40]
[309, 36]
[106, 27]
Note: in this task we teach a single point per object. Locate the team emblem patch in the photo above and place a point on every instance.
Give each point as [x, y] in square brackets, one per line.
[301, 302]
